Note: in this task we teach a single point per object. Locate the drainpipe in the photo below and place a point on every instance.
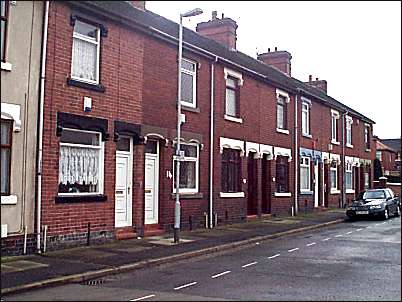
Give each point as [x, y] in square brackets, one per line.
[343, 160]
[296, 157]
[211, 148]
[40, 130]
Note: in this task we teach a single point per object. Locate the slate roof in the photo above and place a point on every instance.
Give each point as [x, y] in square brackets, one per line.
[394, 143]
[124, 10]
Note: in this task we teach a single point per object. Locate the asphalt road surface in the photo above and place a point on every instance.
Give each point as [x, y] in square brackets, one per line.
[358, 260]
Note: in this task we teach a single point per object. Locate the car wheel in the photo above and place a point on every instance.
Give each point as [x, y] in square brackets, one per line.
[386, 214]
[397, 212]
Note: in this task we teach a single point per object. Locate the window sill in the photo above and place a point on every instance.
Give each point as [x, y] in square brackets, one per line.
[333, 191]
[77, 83]
[335, 142]
[349, 146]
[231, 195]
[188, 195]
[6, 66]
[191, 109]
[350, 191]
[306, 193]
[307, 135]
[276, 194]
[368, 150]
[9, 199]
[233, 119]
[80, 198]
[284, 131]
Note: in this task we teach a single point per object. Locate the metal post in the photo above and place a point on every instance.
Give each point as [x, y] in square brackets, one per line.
[177, 204]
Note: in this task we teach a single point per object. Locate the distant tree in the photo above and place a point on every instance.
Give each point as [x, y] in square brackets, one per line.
[377, 169]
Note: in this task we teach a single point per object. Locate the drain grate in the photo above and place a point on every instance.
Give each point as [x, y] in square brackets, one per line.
[93, 282]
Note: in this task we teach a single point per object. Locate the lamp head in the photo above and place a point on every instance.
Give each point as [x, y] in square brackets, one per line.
[192, 13]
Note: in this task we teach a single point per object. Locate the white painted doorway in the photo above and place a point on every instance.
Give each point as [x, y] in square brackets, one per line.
[124, 180]
[151, 182]
[316, 185]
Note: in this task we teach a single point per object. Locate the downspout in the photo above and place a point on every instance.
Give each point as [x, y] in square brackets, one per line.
[343, 160]
[211, 148]
[296, 157]
[40, 134]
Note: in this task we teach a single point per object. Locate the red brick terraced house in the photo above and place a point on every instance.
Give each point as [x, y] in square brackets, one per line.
[256, 141]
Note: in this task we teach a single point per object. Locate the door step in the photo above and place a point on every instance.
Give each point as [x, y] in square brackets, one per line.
[153, 230]
[125, 233]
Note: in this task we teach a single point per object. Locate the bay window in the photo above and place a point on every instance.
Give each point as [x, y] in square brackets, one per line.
[282, 174]
[349, 176]
[366, 180]
[85, 55]
[80, 163]
[305, 175]
[334, 176]
[189, 164]
[6, 142]
[188, 83]
[231, 171]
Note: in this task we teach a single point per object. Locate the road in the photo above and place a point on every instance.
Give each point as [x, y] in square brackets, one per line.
[358, 260]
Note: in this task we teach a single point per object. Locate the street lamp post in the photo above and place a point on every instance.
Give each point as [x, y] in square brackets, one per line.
[194, 12]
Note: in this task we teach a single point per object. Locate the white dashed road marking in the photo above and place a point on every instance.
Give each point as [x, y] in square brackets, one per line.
[340, 235]
[143, 298]
[185, 285]
[348, 233]
[384, 222]
[249, 264]
[358, 230]
[220, 274]
[274, 256]
[310, 244]
[292, 250]
[326, 239]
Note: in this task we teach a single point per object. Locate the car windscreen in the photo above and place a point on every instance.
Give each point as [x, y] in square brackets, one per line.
[374, 195]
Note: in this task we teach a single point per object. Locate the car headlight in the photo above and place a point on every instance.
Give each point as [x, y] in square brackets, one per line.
[375, 207]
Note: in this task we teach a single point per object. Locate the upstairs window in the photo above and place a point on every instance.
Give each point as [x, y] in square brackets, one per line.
[367, 136]
[6, 142]
[306, 118]
[281, 112]
[85, 56]
[282, 174]
[349, 122]
[188, 83]
[232, 99]
[4, 7]
[188, 181]
[80, 163]
[334, 126]
[231, 171]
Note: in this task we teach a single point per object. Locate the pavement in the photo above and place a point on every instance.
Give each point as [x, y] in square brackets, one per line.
[90, 263]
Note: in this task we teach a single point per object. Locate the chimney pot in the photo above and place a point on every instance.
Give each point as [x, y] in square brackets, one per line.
[269, 49]
[310, 78]
[214, 15]
[223, 16]
[316, 79]
[276, 48]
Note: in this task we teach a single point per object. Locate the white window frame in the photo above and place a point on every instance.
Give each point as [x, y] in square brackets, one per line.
[349, 169]
[334, 126]
[97, 43]
[367, 129]
[334, 189]
[349, 137]
[306, 110]
[197, 164]
[194, 76]
[305, 163]
[378, 155]
[101, 147]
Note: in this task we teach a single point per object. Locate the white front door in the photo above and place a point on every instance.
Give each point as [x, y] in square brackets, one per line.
[151, 188]
[316, 180]
[123, 192]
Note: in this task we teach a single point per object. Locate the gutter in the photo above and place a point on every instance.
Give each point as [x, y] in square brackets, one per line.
[296, 157]
[40, 126]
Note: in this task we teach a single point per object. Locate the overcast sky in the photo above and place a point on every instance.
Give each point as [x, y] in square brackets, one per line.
[355, 46]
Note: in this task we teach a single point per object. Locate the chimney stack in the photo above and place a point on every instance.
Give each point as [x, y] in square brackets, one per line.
[138, 4]
[279, 59]
[221, 30]
[319, 84]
